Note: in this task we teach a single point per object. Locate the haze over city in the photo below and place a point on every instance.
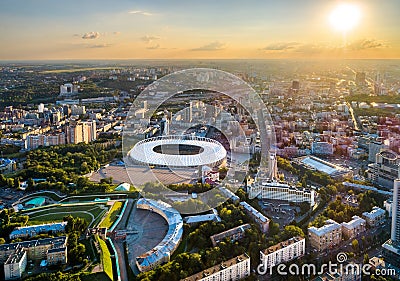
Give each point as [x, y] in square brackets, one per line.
[200, 140]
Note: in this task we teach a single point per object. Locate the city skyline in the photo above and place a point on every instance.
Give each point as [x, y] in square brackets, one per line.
[192, 30]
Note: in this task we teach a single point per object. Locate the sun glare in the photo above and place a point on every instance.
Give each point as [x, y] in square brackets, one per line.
[345, 17]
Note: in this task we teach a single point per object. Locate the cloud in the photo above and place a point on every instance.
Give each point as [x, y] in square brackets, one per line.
[213, 46]
[138, 12]
[117, 32]
[281, 46]
[91, 35]
[148, 38]
[312, 48]
[155, 47]
[364, 44]
[99, 46]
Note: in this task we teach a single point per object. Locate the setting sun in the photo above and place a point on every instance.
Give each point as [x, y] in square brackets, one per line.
[345, 17]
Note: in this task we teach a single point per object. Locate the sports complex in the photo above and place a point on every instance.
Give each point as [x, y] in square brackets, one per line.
[178, 152]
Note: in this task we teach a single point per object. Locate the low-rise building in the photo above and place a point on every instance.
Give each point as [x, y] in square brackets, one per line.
[375, 217]
[258, 217]
[273, 190]
[233, 269]
[35, 249]
[7, 165]
[233, 234]
[325, 237]
[285, 251]
[322, 148]
[314, 163]
[57, 256]
[353, 228]
[33, 230]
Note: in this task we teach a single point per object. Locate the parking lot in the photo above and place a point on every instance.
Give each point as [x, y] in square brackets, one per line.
[279, 211]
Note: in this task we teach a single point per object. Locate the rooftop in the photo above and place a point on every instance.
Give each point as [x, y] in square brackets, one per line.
[216, 268]
[330, 225]
[55, 242]
[323, 166]
[254, 212]
[16, 256]
[282, 245]
[355, 222]
[37, 229]
[375, 213]
[230, 232]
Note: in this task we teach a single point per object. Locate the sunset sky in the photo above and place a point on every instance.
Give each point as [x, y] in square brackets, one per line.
[184, 29]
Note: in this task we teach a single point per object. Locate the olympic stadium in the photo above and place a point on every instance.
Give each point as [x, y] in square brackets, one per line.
[178, 151]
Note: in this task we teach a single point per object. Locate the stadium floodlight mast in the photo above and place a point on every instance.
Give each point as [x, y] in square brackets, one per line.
[145, 166]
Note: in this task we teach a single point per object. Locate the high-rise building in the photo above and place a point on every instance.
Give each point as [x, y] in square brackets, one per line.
[273, 165]
[41, 108]
[385, 169]
[373, 149]
[89, 132]
[82, 132]
[395, 234]
[391, 248]
[68, 89]
[15, 265]
[295, 85]
[360, 78]
[75, 133]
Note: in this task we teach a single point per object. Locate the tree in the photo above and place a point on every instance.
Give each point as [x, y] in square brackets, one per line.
[273, 228]
[355, 245]
[366, 259]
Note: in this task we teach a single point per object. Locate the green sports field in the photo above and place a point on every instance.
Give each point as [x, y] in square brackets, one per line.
[55, 213]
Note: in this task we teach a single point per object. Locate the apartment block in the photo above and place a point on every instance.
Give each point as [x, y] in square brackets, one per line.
[285, 251]
[325, 237]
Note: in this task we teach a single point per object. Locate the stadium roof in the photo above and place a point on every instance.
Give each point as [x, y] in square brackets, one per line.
[212, 152]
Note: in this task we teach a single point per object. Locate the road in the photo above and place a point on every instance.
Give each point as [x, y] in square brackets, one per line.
[346, 246]
[119, 246]
[356, 127]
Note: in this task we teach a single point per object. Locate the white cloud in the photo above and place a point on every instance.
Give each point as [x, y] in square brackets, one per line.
[91, 35]
[213, 46]
[149, 38]
[138, 12]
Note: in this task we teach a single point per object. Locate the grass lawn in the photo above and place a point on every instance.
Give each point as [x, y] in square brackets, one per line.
[112, 215]
[90, 250]
[56, 213]
[105, 258]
